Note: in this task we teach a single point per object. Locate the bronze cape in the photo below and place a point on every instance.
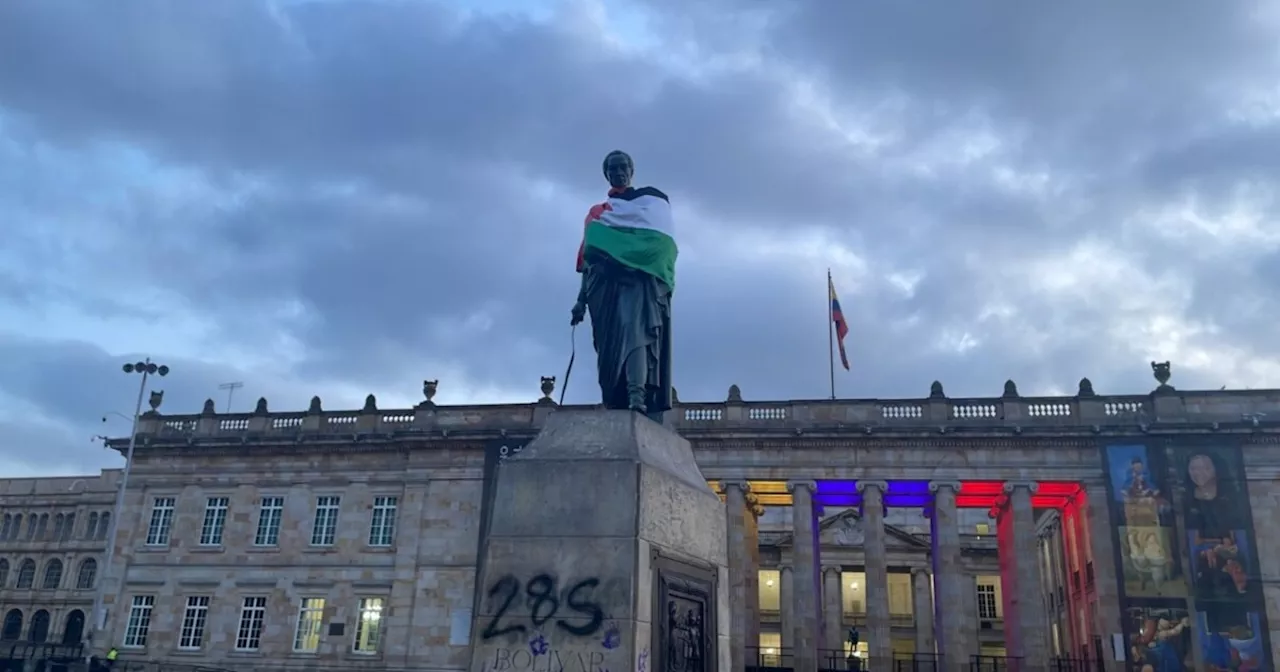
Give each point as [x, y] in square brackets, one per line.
[631, 330]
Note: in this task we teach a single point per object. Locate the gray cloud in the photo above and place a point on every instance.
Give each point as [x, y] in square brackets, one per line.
[348, 197]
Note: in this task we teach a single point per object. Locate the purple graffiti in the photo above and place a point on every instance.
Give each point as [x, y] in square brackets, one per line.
[538, 645]
[612, 637]
[642, 661]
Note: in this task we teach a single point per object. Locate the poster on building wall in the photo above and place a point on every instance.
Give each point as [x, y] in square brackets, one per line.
[1224, 573]
[1157, 623]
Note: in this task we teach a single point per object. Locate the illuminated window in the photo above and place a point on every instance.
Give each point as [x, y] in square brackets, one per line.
[368, 626]
[770, 590]
[982, 529]
[306, 638]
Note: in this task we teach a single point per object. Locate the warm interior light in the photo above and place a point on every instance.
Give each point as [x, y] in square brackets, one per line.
[769, 652]
[769, 583]
[854, 584]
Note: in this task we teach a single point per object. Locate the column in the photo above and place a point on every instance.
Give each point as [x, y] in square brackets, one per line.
[922, 607]
[955, 607]
[1010, 602]
[753, 572]
[1031, 607]
[735, 504]
[786, 613]
[804, 553]
[1097, 510]
[832, 611]
[879, 637]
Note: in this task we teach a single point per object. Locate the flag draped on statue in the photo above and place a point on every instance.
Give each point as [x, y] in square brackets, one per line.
[635, 228]
[838, 322]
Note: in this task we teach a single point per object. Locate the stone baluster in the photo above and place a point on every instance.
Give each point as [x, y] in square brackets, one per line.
[807, 617]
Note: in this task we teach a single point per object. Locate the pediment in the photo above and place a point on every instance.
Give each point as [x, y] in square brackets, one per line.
[845, 529]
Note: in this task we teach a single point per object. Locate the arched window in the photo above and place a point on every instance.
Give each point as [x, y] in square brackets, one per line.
[58, 521]
[88, 574]
[7, 528]
[93, 526]
[4, 573]
[26, 574]
[41, 528]
[104, 523]
[52, 575]
[17, 528]
[32, 521]
[12, 626]
[73, 633]
[39, 627]
[69, 527]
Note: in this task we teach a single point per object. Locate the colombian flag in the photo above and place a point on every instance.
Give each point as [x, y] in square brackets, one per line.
[837, 318]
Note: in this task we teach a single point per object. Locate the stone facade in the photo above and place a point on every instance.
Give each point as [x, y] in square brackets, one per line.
[52, 535]
[335, 570]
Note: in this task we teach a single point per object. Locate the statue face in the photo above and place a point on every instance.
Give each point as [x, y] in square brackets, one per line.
[618, 169]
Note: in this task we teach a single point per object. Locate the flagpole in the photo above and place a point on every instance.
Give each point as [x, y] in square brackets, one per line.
[831, 342]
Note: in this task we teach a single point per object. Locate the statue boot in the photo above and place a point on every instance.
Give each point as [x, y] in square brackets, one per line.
[635, 399]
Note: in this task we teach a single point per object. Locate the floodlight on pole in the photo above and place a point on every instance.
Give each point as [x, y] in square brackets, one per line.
[146, 369]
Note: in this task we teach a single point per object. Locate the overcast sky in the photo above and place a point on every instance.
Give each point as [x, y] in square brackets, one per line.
[348, 197]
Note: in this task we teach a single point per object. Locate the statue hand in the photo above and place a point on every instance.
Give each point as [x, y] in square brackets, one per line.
[579, 311]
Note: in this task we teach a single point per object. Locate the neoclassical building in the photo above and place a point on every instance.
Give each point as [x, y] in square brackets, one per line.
[1088, 528]
[53, 534]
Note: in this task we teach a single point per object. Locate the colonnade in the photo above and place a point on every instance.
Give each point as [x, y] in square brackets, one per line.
[811, 602]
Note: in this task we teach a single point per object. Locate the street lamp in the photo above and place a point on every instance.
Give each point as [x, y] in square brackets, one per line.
[146, 368]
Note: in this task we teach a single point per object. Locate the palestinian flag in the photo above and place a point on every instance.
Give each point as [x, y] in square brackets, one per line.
[635, 228]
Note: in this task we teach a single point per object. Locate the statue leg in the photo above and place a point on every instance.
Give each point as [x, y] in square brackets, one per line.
[636, 371]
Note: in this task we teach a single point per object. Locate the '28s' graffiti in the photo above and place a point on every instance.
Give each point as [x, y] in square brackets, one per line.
[543, 600]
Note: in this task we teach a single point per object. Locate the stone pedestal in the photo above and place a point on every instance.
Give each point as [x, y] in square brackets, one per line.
[606, 551]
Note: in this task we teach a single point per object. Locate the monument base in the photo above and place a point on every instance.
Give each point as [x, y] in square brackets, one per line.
[605, 553]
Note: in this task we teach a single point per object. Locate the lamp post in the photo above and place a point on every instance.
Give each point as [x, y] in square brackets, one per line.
[147, 369]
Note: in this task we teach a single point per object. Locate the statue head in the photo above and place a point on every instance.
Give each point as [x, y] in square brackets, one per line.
[618, 169]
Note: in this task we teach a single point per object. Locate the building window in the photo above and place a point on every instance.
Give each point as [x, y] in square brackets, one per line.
[58, 522]
[135, 633]
[270, 513]
[382, 528]
[982, 529]
[4, 573]
[8, 526]
[32, 520]
[325, 527]
[193, 620]
[306, 638]
[368, 626]
[39, 632]
[42, 526]
[253, 613]
[104, 525]
[52, 575]
[26, 574]
[987, 602]
[17, 528]
[161, 521]
[88, 574]
[68, 527]
[215, 520]
[93, 526]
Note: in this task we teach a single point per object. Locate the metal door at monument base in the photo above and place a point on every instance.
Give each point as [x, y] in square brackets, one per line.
[684, 617]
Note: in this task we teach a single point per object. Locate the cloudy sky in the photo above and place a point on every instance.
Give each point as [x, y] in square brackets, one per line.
[341, 197]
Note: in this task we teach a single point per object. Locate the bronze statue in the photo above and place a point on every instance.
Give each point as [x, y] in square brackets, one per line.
[628, 260]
